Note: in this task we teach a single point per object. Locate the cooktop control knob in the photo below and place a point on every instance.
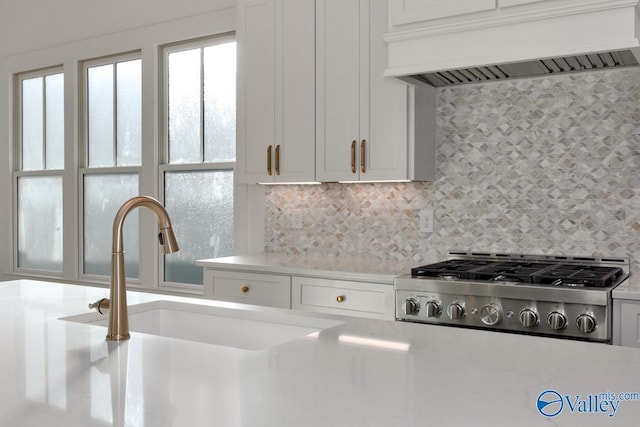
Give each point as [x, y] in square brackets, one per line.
[455, 311]
[433, 308]
[410, 306]
[586, 323]
[557, 320]
[491, 314]
[529, 318]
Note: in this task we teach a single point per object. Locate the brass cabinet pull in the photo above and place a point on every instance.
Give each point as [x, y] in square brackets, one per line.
[353, 156]
[363, 147]
[269, 161]
[245, 289]
[340, 298]
[278, 159]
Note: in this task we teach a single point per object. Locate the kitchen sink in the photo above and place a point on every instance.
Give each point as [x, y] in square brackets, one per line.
[244, 329]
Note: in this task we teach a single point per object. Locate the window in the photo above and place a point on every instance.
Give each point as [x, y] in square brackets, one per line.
[112, 159]
[199, 152]
[38, 178]
[88, 135]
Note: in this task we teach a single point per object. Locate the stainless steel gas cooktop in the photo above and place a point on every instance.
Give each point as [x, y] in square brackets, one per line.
[560, 296]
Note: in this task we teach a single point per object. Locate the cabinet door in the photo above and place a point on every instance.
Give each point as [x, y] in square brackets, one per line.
[362, 117]
[387, 114]
[338, 88]
[295, 91]
[630, 324]
[410, 11]
[276, 90]
[256, 88]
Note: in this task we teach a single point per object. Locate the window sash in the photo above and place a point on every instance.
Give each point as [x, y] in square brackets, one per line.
[29, 270]
[19, 81]
[82, 223]
[163, 170]
[86, 130]
[176, 48]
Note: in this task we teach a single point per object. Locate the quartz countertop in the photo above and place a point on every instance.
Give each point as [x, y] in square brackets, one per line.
[629, 289]
[342, 268]
[361, 373]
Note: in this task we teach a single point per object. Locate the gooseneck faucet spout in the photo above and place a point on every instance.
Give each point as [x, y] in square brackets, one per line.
[118, 314]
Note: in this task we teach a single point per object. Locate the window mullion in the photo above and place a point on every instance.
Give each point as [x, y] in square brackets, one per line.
[202, 109]
[114, 121]
[44, 122]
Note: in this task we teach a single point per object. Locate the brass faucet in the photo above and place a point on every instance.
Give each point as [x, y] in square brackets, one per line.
[118, 315]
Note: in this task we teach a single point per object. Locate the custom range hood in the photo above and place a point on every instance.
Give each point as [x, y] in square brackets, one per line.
[534, 68]
[529, 38]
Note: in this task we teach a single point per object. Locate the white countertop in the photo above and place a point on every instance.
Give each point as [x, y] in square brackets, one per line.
[343, 268]
[59, 373]
[629, 289]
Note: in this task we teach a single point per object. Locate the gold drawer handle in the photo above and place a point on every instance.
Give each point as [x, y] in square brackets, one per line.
[269, 172]
[245, 289]
[340, 298]
[353, 156]
[363, 150]
[278, 159]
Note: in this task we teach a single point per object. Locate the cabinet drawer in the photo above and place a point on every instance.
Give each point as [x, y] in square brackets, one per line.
[343, 297]
[248, 288]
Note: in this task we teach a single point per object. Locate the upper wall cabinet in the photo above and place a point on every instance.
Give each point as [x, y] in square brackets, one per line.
[428, 36]
[276, 91]
[365, 128]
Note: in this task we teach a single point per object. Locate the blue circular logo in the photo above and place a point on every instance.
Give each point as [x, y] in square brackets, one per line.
[550, 403]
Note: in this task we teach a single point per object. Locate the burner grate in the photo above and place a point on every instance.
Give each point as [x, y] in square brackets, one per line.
[580, 275]
[542, 273]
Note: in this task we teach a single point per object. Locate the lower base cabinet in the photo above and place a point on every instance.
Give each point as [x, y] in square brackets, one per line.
[626, 323]
[373, 300]
[322, 295]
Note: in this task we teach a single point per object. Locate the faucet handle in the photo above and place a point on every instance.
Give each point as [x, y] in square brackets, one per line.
[100, 305]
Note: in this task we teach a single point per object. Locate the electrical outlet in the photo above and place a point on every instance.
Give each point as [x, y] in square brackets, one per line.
[296, 219]
[426, 221]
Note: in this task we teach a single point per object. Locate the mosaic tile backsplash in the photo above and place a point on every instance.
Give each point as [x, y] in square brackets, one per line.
[543, 166]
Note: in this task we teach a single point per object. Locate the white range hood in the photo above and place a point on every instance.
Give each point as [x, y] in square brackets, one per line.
[509, 39]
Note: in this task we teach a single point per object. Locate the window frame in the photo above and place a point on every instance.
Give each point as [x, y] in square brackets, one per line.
[83, 168]
[148, 39]
[163, 162]
[18, 172]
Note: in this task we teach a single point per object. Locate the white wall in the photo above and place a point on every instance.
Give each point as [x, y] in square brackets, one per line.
[38, 33]
[27, 25]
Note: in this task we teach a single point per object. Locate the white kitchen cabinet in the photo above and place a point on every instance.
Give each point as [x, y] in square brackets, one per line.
[626, 323]
[374, 300]
[276, 91]
[260, 289]
[364, 128]
[406, 12]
